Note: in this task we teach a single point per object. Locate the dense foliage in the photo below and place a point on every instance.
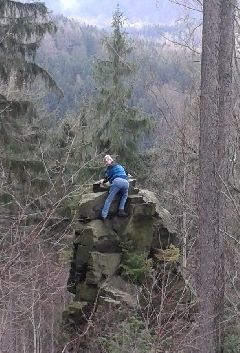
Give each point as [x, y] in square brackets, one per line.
[22, 27]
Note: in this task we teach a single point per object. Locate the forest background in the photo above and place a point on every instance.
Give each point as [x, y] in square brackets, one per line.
[55, 144]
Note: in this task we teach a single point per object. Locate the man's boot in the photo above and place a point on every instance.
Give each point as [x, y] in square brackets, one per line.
[122, 213]
[101, 217]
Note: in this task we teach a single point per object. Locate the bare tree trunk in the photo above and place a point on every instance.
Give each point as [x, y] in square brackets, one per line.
[184, 215]
[218, 34]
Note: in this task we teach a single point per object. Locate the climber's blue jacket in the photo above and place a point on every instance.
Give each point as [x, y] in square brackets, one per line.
[114, 171]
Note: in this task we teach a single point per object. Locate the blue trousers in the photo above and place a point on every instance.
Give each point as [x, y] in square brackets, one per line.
[118, 185]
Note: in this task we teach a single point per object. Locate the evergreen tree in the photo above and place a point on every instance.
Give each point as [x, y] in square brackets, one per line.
[22, 27]
[67, 154]
[118, 124]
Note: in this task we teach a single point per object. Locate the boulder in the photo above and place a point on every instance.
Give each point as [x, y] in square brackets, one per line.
[143, 209]
[97, 235]
[86, 293]
[99, 246]
[90, 205]
[162, 213]
[102, 265]
[164, 233]
[82, 256]
[116, 291]
[136, 231]
[135, 199]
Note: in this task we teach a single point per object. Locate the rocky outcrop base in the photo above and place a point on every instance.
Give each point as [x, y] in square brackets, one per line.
[99, 247]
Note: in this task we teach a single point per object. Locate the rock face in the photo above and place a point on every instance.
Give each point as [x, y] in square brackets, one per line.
[98, 247]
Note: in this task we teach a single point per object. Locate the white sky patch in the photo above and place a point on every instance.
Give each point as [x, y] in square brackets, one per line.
[99, 21]
[67, 4]
[138, 24]
[99, 12]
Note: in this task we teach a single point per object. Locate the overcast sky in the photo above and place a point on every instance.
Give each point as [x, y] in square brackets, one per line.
[99, 12]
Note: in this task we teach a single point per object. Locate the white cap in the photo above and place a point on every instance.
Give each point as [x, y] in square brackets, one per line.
[108, 158]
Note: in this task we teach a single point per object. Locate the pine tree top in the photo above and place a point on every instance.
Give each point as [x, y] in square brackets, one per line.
[22, 27]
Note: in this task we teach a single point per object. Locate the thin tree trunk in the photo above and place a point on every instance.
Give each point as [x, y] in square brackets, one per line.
[215, 107]
[184, 215]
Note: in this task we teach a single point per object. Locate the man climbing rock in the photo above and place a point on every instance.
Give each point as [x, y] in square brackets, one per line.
[116, 175]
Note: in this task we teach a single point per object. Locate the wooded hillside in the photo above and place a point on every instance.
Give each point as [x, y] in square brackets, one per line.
[165, 107]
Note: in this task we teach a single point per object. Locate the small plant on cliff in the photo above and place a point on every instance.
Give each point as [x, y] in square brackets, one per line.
[135, 267]
[131, 336]
[171, 254]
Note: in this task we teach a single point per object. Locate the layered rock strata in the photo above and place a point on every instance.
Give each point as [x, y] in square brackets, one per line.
[98, 246]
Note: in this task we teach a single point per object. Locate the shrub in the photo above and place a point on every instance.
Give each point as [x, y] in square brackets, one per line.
[131, 336]
[135, 267]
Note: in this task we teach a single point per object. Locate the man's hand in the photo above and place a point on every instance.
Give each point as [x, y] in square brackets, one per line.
[101, 181]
